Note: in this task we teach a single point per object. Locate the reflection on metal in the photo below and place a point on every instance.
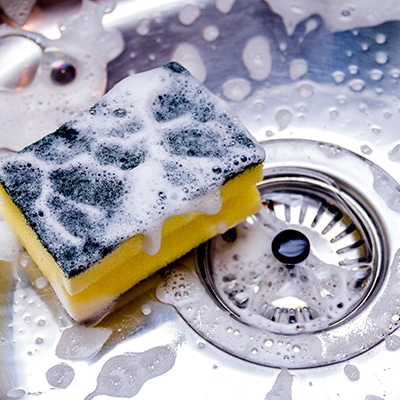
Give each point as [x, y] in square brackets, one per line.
[19, 61]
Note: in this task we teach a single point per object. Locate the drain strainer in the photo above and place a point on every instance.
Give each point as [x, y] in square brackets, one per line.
[307, 261]
[313, 278]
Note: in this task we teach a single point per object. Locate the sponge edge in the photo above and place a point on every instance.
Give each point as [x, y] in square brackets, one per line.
[157, 166]
[180, 235]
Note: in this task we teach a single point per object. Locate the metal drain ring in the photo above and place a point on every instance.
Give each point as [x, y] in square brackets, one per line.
[322, 288]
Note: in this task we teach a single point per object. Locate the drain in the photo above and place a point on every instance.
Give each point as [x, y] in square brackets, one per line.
[310, 280]
[307, 261]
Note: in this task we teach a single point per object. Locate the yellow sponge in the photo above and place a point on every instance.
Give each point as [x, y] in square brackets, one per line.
[156, 167]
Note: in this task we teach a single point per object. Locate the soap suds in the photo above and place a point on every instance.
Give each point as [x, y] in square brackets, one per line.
[124, 375]
[337, 15]
[352, 372]
[257, 58]
[77, 186]
[60, 376]
[282, 389]
[81, 343]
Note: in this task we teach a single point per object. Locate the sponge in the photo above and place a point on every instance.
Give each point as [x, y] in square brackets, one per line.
[153, 169]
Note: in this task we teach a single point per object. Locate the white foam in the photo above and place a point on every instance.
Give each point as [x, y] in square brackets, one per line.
[81, 343]
[256, 57]
[124, 375]
[337, 15]
[127, 119]
[60, 376]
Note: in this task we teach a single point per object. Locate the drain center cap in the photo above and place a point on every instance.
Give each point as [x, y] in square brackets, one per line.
[290, 247]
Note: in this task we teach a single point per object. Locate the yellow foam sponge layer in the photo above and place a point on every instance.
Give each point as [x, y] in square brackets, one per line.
[153, 169]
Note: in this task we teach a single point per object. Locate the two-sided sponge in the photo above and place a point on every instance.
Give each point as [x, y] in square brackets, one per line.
[156, 167]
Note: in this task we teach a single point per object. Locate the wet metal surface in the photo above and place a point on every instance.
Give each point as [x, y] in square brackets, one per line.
[291, 75]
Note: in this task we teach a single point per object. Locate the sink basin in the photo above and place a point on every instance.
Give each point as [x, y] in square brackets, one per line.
[317, 83]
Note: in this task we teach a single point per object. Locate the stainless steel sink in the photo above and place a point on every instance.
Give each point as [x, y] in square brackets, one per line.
[317, 83]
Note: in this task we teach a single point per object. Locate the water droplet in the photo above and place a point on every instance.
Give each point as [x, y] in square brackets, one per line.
[376, 74]
[330, 150]
[296, 349]
[62, 72]
[256, 57]
[60, 376]
[143, 27]
[282, 46]
[346, 13]
[381, 57]
[254, 351]
[392, 343]
[364, 46]
[146, 310]
[16, 393]
[201, 345]
[236, 89]
[189, 14]
[353, 69]
[283, 117]
[333, 113]
[356, 85]
[210, 33]
[39, 340]
[395, 73]
[365, 149]
[298, 68]
[258, 106]
[380, 38]
[352, 372]
[41, 322]
[306, 91]
[41, 282]
[268, 343]
[387, 114]
[24, 260]
[338, 76]
[376, 129]
[394, 154]
[224, 6]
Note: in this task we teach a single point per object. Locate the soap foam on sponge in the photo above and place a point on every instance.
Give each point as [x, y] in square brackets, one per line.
[153, 169]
